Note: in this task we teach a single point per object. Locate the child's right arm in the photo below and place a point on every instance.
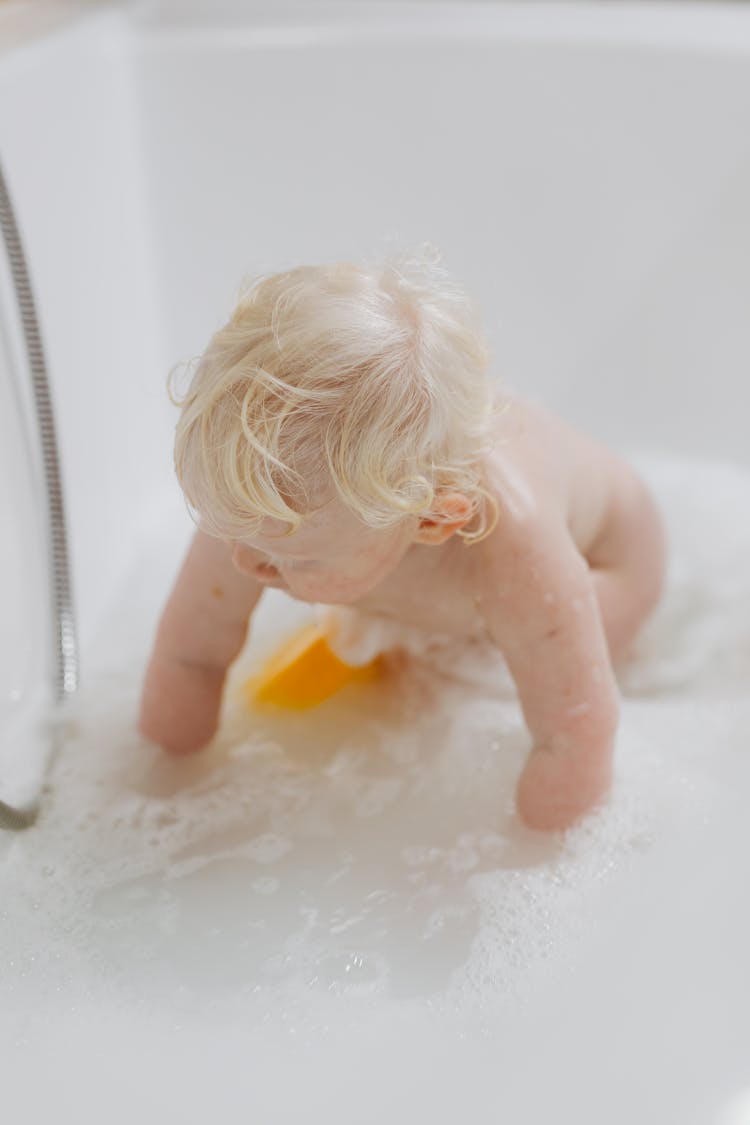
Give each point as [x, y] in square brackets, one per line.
[201, 631]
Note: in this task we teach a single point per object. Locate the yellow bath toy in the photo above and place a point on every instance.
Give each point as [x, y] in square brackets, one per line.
[304, 672]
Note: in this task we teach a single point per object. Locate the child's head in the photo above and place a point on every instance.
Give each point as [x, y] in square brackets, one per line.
[340, 384]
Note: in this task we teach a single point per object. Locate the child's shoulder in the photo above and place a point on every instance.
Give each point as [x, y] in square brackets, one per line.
[527, 466]
[543, 473]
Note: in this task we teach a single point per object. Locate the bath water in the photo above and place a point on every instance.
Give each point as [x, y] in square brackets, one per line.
[358, 873]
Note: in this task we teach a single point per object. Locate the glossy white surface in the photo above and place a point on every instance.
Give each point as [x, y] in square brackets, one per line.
[339, 918]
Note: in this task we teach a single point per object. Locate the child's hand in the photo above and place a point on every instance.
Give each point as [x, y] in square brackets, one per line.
[555, 789]
[202, 630]
[544, 615]
[180, 704]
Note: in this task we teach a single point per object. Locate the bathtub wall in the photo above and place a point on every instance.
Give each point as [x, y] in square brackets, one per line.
[593, 194]
[70, 152]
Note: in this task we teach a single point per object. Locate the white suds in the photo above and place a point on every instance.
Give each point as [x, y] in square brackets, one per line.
[368, 852]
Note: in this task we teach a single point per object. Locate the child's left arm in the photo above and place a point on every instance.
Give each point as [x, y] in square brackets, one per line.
[542, 611]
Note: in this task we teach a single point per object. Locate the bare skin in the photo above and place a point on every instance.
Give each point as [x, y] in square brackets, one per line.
[562, 584]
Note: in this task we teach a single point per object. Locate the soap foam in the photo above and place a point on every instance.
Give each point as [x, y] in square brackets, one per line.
[367, 854]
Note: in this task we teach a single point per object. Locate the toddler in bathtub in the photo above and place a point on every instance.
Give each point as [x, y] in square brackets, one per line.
[340, 441]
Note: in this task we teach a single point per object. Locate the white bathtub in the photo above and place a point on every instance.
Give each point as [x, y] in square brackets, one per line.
[586, 171]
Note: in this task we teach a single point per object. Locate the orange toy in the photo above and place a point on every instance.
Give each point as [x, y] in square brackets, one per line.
[304, 672]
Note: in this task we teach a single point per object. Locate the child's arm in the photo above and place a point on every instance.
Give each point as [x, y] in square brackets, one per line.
[543, 613]
[201, 631]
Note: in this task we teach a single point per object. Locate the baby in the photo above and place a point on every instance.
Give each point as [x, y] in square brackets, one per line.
[340, 441]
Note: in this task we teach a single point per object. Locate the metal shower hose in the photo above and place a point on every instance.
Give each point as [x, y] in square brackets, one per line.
[66, 665]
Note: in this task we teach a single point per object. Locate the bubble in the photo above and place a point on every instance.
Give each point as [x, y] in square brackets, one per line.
[353, 973]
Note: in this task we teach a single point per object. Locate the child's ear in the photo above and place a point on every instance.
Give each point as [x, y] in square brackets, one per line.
[450, 512]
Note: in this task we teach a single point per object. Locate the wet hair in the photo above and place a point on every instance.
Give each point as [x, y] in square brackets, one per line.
[365, 382]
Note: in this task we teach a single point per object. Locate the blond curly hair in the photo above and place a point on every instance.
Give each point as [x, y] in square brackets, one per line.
[368, 380]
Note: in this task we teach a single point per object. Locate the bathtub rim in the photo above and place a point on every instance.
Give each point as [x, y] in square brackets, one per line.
[689, 25]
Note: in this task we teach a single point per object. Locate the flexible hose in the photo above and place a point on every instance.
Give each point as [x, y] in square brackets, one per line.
[66, 661]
